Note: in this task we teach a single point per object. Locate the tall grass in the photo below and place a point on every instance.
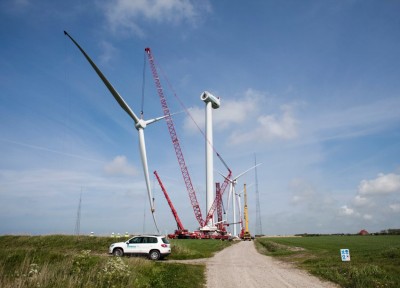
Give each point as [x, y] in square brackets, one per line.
[71, 261]
[375, 260]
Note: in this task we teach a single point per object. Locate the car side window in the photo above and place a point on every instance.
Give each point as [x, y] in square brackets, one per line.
[136, 240]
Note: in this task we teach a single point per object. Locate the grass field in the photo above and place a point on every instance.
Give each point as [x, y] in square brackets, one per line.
[375, 260]
[72, 261]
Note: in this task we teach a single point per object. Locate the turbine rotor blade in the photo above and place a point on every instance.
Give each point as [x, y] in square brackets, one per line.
[142, 147]
[114, 92]
[150, 121]
[246, 171]
[155, 222]
[223, 176]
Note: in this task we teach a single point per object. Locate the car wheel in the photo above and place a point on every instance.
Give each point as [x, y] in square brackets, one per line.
[154, 255]
[118, 252]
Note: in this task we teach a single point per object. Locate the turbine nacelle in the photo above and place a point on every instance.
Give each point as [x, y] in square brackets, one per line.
[142, 124]
[208, 97]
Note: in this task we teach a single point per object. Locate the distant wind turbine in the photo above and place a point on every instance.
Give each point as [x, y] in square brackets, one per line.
[232, 194]
[140, 125]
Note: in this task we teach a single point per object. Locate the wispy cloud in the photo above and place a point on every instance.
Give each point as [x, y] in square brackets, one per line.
[127, 16]
[374, 198]
[245, 119]
[108, 52]
[120, 166]
[230, 114]
[352, 121]
[383, 184]
[269, 127]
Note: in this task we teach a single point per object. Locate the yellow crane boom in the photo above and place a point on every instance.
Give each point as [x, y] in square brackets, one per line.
[246, 234]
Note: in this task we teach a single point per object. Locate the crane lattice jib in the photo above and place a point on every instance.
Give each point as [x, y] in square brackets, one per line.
[215, 203]
[177, 219]
[175, 141]
[219, 206]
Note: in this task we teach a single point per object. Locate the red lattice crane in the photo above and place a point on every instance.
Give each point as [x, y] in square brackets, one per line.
[175, 141]
[177, 219]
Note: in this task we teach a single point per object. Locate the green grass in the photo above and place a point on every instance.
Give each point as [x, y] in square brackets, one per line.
[71, 261]
[375, 260]
[196, 248]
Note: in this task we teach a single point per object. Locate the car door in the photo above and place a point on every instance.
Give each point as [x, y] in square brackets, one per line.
[147, 244]
[134, 245]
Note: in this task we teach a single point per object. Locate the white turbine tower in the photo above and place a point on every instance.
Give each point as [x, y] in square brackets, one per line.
[212, 102]
[232, 193]
[140, 125]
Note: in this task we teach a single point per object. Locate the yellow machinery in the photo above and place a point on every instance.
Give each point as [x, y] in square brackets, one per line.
[246, 234]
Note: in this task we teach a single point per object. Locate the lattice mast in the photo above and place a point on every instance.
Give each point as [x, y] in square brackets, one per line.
[78, 216]
[175, 141]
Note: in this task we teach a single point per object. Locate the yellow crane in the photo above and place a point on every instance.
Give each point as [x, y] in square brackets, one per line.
[246, 234]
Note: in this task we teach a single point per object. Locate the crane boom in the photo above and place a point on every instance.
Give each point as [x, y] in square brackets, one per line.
[216, 200]
[177, 219]
[246, 234]
[175, 141]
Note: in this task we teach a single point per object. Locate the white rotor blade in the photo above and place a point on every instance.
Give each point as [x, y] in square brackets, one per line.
[158, 119]
[142, 147]
[114, 92]
[240, 175]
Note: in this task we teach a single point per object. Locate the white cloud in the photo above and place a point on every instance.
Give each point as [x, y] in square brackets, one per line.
[303, 192]
[247, 122]
[120, 166]
[108, 51]
[395, 207]
[361, 201]
[126, 14]
[231, 112]
[347, 211]
[270, 127]
[282, 127]
[378, 193]
[383, 184]
[367, 217]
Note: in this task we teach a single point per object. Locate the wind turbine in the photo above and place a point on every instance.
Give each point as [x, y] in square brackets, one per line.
[140, 125]
[232, 184]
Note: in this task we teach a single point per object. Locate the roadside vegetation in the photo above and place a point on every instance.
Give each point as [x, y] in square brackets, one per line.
[82, 261]
[374, 260]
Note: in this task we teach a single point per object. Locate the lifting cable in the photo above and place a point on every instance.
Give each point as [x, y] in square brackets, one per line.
[143, 84]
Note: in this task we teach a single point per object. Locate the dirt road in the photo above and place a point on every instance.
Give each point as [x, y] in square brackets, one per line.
[240, 265]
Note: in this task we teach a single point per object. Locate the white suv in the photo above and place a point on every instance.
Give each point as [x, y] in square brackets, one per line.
[156, 247]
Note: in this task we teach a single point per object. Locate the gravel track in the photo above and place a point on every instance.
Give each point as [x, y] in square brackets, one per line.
[240, 265]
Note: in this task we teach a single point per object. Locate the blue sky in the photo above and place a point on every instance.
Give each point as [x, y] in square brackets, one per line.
[310, 87]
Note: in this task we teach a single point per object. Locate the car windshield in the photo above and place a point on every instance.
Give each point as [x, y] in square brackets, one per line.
[165, 240]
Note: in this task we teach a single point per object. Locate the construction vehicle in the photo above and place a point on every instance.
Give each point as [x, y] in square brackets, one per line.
[245, 234]
[180, 232]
